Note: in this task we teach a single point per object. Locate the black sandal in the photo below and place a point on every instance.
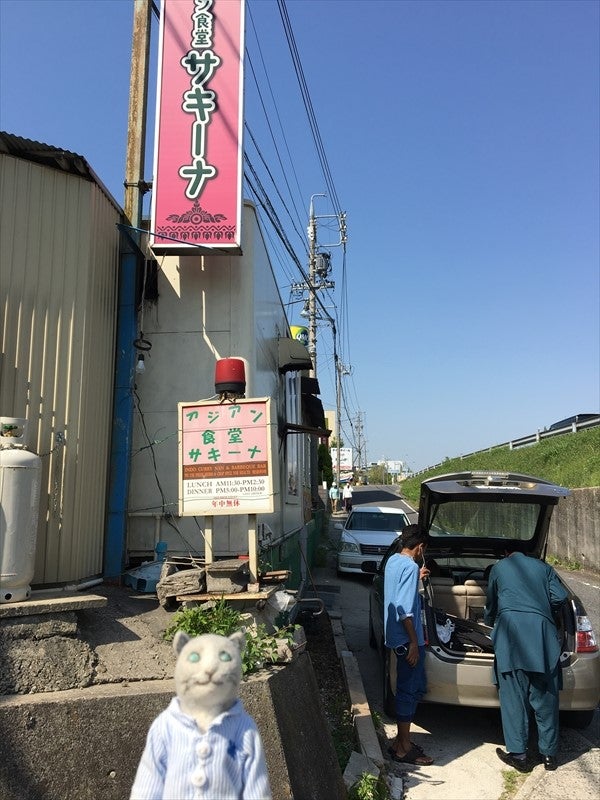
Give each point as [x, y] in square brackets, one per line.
[392, 750]
[414, 756]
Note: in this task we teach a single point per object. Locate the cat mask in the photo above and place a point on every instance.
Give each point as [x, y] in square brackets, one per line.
[208, 672]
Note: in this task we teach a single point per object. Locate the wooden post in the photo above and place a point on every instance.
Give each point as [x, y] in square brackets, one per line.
[208, 540]
[253, 553]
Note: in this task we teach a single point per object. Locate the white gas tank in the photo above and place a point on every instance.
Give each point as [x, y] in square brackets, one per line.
[20, 474]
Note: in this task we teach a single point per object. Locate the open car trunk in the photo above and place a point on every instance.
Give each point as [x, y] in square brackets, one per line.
[454, 612]
[455, 616]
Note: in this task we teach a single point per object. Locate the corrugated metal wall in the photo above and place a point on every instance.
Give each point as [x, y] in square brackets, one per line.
[59, 250]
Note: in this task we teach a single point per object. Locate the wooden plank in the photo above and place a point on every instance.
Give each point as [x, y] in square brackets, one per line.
[248, 596]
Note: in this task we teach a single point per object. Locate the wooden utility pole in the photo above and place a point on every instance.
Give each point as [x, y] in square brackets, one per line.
[138, 100]
[312, 293]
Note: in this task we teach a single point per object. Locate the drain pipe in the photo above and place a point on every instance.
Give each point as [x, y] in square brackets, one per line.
[115, 549]
[122, 426]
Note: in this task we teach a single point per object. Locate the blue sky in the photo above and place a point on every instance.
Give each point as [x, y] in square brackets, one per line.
[462, 138]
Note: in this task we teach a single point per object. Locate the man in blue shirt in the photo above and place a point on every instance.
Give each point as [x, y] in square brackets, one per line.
[404, 634]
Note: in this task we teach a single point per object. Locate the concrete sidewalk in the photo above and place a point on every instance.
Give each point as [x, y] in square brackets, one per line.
[577, 777]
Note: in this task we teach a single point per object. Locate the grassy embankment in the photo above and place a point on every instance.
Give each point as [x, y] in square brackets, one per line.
[571, 460]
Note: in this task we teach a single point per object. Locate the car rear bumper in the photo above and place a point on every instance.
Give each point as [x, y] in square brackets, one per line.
[581, 683]
[470, 681]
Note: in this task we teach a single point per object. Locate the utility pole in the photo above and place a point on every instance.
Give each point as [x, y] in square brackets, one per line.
[340, 371]
[312, 297]
[338, 412]
[359, 457]
[319, 267]
[312, 303]
[138, 100]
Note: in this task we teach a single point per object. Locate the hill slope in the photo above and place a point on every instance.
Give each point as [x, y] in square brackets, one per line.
[571, 460]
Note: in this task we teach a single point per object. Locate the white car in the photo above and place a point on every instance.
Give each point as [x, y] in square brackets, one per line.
[366, 536]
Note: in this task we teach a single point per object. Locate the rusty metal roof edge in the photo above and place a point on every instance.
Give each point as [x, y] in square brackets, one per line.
[53, 157]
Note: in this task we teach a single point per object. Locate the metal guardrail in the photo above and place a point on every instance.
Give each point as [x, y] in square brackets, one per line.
[524, 441]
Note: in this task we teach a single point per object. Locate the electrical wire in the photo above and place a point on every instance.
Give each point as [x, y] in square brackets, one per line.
[312, 119]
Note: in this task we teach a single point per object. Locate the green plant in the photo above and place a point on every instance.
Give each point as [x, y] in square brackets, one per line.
[324, 464]
[221, 619]
[342, 732]
[565, 563]
[261, 647]
[377, 720]
[369, 787]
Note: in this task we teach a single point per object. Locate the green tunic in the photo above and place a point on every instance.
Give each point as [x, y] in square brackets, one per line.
[522, 595]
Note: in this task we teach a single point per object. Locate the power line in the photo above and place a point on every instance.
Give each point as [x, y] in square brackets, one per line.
[312, 119]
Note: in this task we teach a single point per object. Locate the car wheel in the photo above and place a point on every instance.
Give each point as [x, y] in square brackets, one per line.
[389, 700]
[372, 639]
[576, 719]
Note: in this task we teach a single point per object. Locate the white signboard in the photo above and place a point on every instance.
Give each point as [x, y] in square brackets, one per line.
[345, 457]
[225, 464]
[395, 466]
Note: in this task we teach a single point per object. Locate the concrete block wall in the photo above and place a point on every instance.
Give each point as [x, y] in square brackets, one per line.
[575, 528]
[86, 743]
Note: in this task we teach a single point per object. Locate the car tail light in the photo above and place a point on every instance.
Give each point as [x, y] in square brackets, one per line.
[586, 638]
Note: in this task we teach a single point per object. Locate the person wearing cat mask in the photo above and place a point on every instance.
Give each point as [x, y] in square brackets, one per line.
[204, 745]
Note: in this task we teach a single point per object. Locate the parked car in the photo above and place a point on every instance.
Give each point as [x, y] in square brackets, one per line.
[367, 534]
[471, 517]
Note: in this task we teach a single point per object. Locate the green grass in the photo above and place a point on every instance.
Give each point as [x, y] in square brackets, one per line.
[569, 460]
[565, 563]
[513, 781]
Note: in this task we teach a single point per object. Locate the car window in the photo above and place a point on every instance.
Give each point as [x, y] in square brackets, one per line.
[502, 520]
[376, 521]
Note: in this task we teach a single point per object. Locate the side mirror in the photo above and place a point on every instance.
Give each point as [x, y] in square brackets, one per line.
[370, 567]
[339, 526]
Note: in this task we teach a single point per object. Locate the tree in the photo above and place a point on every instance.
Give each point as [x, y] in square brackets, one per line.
[378, 474]
[325, 466]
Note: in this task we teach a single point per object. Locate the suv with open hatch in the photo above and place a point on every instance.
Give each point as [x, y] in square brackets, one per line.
[471, 518]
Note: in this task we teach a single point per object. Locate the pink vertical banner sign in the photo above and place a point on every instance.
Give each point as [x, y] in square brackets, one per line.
[198, 167]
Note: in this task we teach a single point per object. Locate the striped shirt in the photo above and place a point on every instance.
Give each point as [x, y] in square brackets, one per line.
[180, 762]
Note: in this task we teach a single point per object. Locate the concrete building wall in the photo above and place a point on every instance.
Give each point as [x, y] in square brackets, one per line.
[208, 308]
[60, 250]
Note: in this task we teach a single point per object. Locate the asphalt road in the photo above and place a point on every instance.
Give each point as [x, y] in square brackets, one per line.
[462, 740]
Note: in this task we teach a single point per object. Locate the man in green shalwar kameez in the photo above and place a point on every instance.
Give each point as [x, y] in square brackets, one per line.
[523, 594]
